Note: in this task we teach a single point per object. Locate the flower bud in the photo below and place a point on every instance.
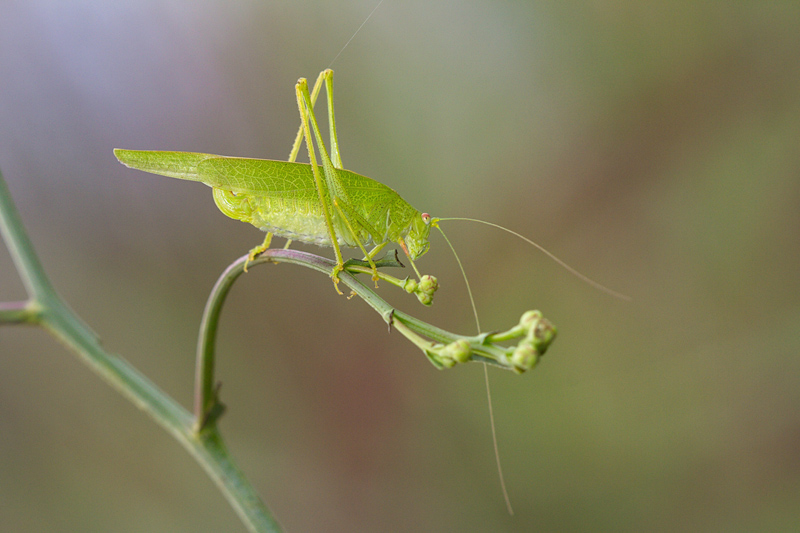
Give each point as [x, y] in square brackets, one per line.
[524, 357]
[428, 284]
[410, 285]
[425, 299]
[529, 319]
[458, 351]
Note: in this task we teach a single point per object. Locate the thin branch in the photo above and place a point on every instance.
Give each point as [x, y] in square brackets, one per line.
[19, 245]
[18, 313]
[443, 348]
[199, 433]
[47, 309]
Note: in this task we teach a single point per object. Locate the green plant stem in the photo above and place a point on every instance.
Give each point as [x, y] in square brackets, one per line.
[206, 403]
[17, 313]
[205, 397]
[199, 433]
[22, 253]
[47, 309]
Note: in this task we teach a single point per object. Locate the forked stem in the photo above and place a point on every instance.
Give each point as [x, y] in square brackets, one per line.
[46, 308]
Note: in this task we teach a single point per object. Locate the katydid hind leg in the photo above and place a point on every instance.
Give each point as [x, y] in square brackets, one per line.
[334, 140]
[335, 186]
[307, 115]
[298, 139]
[325, 76]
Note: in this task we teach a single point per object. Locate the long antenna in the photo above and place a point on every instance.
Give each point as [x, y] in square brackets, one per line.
[485, 376]
[474, 311]
[569, 269]
[356, 32]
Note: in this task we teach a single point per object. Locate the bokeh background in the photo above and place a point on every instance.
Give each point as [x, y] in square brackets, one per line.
[653, 146]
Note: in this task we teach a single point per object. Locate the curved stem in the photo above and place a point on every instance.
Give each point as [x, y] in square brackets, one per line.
[199, 433]
[483, 347]
[207, 407]
[205, 397]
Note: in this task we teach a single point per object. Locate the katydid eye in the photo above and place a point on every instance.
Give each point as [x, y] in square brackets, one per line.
[426, 218]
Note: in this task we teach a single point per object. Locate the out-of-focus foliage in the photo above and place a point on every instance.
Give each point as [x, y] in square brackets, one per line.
[654, 146]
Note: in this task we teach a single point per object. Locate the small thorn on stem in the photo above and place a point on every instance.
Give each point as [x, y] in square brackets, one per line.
[390, 320]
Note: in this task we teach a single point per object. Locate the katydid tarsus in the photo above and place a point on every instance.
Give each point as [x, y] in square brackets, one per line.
[322, 204]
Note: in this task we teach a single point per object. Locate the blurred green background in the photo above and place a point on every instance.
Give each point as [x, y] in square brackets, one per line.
[653, 146]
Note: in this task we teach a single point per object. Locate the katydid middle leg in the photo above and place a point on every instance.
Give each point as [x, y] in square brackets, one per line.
[367, 255]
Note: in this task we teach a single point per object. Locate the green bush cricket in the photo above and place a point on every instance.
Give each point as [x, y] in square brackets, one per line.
[319, 204]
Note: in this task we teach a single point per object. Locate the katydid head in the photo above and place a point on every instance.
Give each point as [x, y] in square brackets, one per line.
[416, 240]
